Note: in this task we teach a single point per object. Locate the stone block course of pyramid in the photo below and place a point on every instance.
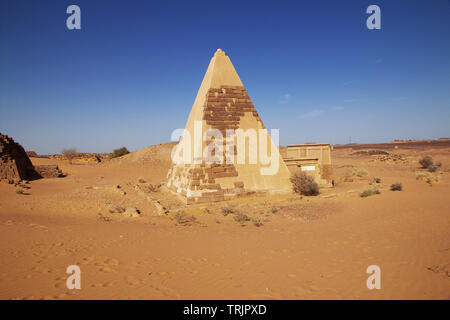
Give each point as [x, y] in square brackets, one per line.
[222, 104]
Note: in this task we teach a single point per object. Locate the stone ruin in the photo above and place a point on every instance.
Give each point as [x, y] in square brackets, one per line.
[49, 171]
[313, 159]
[15, 164]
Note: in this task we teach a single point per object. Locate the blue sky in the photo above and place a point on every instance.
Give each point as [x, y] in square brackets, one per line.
[129, 77]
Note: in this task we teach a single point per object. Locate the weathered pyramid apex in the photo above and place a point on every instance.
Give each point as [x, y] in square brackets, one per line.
[219, 52]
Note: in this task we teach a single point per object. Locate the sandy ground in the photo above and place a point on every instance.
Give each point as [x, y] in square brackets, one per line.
[306, 248]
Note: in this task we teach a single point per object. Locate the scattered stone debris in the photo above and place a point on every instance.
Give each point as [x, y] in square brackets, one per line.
[369, 153]
[83, 158]
[117, 188]
[161, 209]
[104, 218]
[132, 212]
[116, 208]
[391, 158]
[145, 187]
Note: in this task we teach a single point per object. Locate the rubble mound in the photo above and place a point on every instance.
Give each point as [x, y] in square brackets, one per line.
[83, 158]
[391, 158]
[371, 152]
[15, 164]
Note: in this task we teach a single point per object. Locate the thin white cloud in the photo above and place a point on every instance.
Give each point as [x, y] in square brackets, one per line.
[346, 83]
[379, 60]
[284, 98]
[338, 108]
[312, 114]
[349, 100]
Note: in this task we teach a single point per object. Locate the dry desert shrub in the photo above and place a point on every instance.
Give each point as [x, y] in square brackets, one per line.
[257, 222]
[304, 184]
[361, 173]
[426, 162]
[241, 217]
[226, 210]
[427, 177]
[70, 154]
[396, 186]
[273, 209]
[184, 220]
[369, 192]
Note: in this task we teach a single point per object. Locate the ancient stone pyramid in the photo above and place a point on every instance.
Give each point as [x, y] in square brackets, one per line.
[14, 162]
[223, 105]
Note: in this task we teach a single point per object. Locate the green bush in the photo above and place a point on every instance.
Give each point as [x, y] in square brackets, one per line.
[119, 152]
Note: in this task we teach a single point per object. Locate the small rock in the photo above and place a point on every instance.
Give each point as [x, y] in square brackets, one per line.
[160, 208]
[132, 212]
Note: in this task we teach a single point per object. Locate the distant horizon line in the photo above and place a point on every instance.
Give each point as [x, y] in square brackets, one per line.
[398, 141]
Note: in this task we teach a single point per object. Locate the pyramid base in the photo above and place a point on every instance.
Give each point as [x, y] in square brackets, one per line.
[218, 196]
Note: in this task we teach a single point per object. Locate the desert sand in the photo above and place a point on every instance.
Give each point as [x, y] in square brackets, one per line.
[306, 248]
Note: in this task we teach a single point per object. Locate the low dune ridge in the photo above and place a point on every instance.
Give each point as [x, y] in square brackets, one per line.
[151, 154]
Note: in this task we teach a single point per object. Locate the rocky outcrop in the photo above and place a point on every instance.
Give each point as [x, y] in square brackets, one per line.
[14, 162]
[83, 158]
